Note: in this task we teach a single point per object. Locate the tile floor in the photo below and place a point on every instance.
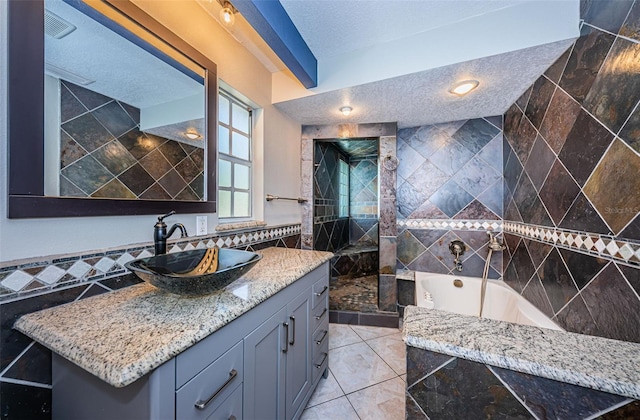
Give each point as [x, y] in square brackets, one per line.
[367, 374]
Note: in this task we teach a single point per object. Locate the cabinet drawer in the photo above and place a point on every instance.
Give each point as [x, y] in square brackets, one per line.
[212, 386]
[320, 340]
[319, 292]
[230, 409]
[319, 314]
[320, 362]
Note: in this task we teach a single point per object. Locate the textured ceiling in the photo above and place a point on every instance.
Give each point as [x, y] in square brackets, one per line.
[423, 98]
[335, 27]
[505, 44]
[119, 69]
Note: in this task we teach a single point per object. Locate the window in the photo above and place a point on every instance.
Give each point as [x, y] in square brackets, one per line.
[343, 196]
[234, 158]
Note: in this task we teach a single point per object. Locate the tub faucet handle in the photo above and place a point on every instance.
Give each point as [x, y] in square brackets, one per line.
[457, 248]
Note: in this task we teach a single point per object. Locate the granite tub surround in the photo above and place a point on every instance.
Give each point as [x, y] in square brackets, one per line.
[123, 335]
[596, 363]
[571, 162]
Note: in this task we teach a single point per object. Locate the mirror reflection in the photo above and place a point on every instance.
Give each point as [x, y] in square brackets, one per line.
[122, 119]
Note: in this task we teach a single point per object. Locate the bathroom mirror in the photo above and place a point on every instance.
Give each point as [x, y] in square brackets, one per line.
[111, 120]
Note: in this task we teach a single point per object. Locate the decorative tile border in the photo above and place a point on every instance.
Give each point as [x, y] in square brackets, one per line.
[450, 224]
[602, 246]
[22, 278]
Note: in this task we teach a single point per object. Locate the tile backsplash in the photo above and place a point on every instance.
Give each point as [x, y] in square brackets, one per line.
[571, 164]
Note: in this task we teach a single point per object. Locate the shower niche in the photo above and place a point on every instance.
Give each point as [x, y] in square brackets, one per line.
[345, 219]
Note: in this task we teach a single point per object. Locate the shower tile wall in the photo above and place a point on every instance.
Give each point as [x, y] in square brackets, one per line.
[450, 171]
[363, 201]
[571, 162]
[330, 231]
[103, 153]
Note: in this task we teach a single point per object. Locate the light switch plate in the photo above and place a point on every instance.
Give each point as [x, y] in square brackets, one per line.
[201, 225]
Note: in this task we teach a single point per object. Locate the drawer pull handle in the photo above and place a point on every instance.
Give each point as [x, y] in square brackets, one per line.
[322, 314]
[319, 365]
[286, 337]
[293, 327]
[203, 404]
[322, 338]
[323, 290]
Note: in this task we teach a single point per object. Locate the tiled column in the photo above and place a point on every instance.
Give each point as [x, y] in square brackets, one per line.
[387, 288]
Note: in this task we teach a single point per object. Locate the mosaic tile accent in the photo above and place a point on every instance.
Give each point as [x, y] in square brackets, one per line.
[103, 153]
[56, 272]
[597, 245]
[450, 224]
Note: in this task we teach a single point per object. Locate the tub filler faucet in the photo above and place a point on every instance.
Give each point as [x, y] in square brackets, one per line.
[160, 234]
[457, 249]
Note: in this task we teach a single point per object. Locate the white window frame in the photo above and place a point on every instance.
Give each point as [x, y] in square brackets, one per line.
[236, 160]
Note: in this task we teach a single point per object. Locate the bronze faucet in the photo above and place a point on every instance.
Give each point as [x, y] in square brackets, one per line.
[160, 234]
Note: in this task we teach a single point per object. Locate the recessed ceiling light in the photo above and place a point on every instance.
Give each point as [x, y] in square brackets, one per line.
[346, 110]
[192, 135]
[464, 87]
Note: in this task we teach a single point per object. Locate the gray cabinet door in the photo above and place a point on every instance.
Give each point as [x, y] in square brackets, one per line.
[299, 353]
[264, 380]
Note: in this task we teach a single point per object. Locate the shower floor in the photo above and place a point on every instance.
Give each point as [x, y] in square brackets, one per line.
[358, 294]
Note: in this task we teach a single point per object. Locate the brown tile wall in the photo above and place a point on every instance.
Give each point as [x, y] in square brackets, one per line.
[572, 163]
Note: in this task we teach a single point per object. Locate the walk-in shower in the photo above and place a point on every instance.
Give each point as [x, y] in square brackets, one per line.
[345, 219]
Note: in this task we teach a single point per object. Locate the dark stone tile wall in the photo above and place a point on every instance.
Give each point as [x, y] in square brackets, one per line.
[103, 153]
[330, 232]
[451, 171]
[25, 366]
[445, 387]
[572, 159]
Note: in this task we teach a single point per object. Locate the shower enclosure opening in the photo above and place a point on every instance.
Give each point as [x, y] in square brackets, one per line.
[345, 219]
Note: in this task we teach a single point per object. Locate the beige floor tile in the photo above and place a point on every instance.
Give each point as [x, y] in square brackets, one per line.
[392, 350]
[384, 401]
[367, 332]
[342, 335]
[357, 366]
[340, 408]
[328, 389]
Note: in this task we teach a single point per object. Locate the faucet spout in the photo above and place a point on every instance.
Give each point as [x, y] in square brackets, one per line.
[160, 234]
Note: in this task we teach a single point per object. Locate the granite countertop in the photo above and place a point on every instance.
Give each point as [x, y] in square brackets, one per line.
[122, 335]
[592, 362]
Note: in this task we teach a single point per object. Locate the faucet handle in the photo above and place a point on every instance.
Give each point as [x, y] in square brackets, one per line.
[161, 218]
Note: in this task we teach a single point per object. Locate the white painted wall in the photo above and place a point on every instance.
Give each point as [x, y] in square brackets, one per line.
[280, 170]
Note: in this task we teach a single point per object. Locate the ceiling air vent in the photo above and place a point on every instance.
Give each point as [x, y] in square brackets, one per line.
[55, 26]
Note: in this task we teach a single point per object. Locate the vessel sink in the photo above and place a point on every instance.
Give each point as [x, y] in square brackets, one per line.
[194, 273]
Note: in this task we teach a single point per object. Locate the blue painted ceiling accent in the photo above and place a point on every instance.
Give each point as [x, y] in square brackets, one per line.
[274, 25]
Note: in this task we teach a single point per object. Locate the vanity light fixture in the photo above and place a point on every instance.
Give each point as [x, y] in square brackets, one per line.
[227, 14]
[346, 110]
[192, 135]
[464, 87]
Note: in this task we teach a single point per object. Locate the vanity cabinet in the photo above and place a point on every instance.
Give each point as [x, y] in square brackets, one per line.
[265, 364]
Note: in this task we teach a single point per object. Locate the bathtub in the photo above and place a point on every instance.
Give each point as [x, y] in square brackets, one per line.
[501, 302]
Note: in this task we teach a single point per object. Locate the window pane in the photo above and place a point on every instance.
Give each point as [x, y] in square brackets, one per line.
[224, 205]
[240, 118]
[241, 204]
[241, 179]
[223, 139]
[224, 173]
[223, 112]
[240, 146]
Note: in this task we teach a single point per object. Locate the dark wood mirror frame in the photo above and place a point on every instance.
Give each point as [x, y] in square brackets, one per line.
[26, 197]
